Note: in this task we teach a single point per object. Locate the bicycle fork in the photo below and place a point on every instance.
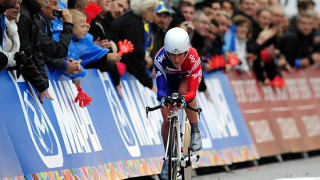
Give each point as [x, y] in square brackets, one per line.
[175, 125]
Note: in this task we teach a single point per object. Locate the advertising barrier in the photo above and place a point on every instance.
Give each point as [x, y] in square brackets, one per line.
[303, 87]
[111, 138]
[222, 125]
[280, 120]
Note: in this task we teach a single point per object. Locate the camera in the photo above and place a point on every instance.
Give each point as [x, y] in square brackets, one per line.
[189, 27]
[57, 13]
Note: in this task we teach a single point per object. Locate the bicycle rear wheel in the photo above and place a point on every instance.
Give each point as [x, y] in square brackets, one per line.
[172, 151]
[186, 171]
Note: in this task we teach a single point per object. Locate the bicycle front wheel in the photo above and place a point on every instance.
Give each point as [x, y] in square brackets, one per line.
[186, 171]
[173, 151]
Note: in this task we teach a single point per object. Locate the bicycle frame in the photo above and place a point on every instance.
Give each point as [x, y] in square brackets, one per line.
[181, 161]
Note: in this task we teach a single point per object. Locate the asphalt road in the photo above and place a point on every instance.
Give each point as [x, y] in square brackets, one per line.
[293, 167]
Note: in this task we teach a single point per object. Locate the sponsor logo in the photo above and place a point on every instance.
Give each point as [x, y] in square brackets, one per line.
[76, 126]
[42, 133]
[122, 122]
[223, 125]
[160, 58]
[192, 58]
[198, 74]
[175, 51]
[159, 73]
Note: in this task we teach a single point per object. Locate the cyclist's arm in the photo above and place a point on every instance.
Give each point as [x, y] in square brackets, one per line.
[161, 80]
[193, 81]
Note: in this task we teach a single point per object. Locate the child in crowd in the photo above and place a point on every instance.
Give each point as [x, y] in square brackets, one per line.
[80, 29]
[92, 56]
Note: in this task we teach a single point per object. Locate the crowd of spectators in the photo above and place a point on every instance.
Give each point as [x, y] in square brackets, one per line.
[253, 37]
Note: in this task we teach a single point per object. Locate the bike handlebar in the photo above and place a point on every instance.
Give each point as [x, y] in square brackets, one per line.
[197, 110]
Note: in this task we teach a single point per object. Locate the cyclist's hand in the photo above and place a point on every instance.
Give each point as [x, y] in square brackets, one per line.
[165, 101]
[181, 102]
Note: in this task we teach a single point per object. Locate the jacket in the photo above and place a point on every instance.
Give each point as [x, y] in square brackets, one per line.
[31, 65]
[54, 51]
[130, 26]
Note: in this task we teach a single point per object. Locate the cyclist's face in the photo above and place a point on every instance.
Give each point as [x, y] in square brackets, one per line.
[176, 59]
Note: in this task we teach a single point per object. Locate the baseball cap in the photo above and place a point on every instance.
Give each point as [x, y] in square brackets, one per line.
[162, 8]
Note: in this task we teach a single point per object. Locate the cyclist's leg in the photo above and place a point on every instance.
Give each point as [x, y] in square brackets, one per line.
[183, 89]
[165, 126]
[172, 86]
[196, 142]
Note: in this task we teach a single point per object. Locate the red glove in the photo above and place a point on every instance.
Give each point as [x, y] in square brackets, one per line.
[277, 82]
[82, 97]
[121, 68]
[265, 56]
[221, 61]
[233, 59]
[92, 10]
[214, 62]
[125, 47]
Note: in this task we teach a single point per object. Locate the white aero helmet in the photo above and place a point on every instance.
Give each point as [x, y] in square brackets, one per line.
[176, 41]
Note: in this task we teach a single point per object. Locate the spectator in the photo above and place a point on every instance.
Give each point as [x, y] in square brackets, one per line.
[159, 28]
[285, 23]
[227, 6]
[205, 6]
[263, 22]
[315, 20]
[4, 4]
[269, 52]
[243, 32]
[263, 4]
[193, 2]
[216, 7]
[96, 57]
[303, 6]
[79, 30]
[55, 52]
[274, 2]
[31, 64]
[224, 29]
[201, 24]
[131, 26]
[213, 10]
[297, 46]
[11, 42]
[265, 40]
[248, 9]
[99, 25]
[78, 4]
[224, 23]
[177, 16]
[187, 10]
[119, 7]
[213, 47]
[277, 18]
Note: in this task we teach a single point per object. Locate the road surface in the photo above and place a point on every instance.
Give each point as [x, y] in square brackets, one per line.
[292, 168]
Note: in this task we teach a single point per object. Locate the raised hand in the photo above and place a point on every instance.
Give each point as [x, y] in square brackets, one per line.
[125, 47]
[92, 10]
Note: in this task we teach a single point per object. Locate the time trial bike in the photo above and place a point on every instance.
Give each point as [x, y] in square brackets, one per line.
[178, 153]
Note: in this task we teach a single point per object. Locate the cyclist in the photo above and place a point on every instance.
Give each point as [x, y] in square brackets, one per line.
[178, 69]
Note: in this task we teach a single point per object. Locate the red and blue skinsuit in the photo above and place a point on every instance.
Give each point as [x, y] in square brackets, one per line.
[169, 77]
